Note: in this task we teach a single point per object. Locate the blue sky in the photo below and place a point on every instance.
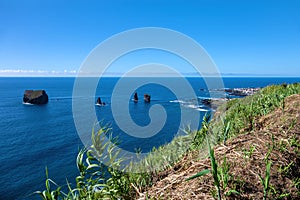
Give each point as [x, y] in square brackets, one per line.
[242, 37]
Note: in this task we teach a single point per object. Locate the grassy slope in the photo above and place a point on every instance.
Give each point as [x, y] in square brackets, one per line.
[248, 134]
[263, 128]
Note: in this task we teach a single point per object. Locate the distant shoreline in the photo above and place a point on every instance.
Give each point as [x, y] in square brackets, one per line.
[222, 76]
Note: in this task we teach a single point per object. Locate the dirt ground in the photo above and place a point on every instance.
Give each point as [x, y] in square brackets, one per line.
[275, 138]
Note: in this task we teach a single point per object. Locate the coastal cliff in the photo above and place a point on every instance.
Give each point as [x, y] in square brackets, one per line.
[257, 157]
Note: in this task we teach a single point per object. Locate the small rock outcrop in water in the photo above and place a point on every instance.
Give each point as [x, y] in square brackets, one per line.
[147, 98]
[99, 102]
[213, 103]
[135, 97]
[35, 97]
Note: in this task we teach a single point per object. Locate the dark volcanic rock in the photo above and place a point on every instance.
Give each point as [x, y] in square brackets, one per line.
[147, 98]
[99, 102]
[35, 97]
[213, 103]
[206, 102]
[242, 92]
[135, 97]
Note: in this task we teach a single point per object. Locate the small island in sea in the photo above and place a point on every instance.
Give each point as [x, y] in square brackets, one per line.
[35, 97]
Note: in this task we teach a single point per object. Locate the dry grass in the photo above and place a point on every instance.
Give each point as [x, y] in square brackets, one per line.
[275, 137]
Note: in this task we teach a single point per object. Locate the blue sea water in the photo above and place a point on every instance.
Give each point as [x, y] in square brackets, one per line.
[33, 137]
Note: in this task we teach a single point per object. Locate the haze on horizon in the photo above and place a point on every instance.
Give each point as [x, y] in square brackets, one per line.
[244, 38]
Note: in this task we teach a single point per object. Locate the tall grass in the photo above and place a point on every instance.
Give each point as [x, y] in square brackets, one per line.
[49, 194]
[239, 115]
[96, 180]
[220, 174]
[266, 180]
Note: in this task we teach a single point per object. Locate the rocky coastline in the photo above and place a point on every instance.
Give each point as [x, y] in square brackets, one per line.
[231, 93]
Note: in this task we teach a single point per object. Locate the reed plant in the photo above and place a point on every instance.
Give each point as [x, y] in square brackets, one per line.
[265, 181]
[48, 193]
[220, 174]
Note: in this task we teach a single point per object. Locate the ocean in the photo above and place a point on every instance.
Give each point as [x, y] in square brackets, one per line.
[34, 137]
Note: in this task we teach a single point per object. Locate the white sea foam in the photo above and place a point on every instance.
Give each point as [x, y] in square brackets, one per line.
[178, 101]
[98, 104]
[202, 110]
[25, 103]
[192, 106]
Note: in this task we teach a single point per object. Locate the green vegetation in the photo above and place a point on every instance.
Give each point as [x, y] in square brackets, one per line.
[221, 174]
[48, 193]
[164, 157]
[214, 165]
[248, 153]
[240, 114]
[266, 180]
[105, 180]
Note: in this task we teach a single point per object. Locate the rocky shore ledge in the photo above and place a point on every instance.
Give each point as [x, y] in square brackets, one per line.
[241, 91]
[231, 93]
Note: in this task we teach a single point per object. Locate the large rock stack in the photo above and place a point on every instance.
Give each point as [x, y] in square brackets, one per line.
[35, 97]
[147, 98]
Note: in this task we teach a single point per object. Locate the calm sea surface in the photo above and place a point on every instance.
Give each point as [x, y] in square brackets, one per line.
[33, 137]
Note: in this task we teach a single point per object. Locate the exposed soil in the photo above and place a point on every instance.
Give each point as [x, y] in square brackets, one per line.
[275, 138]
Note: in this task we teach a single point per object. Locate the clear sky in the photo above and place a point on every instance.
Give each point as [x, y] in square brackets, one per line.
[243, 37]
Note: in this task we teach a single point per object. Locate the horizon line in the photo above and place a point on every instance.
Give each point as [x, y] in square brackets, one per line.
[75, 73]
[159, 76]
